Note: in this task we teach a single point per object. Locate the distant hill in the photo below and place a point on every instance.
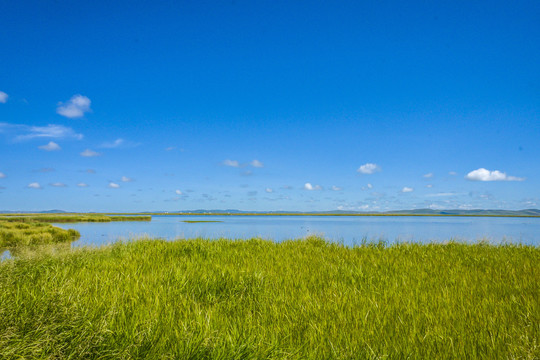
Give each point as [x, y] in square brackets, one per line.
[455, 212]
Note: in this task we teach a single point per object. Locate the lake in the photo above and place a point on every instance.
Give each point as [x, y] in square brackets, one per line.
[349, 230]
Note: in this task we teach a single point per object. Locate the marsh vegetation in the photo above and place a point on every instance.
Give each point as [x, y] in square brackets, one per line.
[298, 299]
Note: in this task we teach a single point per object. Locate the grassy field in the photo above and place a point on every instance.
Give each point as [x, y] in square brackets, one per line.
[70, 218]
[255, 299]
[33, 233]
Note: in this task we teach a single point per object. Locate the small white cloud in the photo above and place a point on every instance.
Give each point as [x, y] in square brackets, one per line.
[269, 190]
[369, 168]
[111, 145]
[170, 148]
[407, 189]
[178, 192]
[113, 185]
[428, 175]
[232, 163]
[2, 175]
[89, 153]
[51, 146]
[452, 173]
[257, 164]
[82, 185]
[310, 187]
[442, 194]
[368, 186]
[25, 132]
[126, 179]
[75, 107]
[336, 188]
[486, 175]
[3, 97]
[58, 184]
[429, 185]
[34, 185]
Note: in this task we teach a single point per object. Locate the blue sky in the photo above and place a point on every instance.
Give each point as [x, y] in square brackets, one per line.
[269, 105]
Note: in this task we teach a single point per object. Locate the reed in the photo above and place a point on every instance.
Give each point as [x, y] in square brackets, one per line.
[33, 233]
[256, 299]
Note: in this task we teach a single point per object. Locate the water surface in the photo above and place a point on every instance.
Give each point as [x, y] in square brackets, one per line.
[349, 230]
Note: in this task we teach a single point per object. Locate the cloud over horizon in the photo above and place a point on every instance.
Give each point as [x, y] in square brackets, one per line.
[369, 168]
[487, 175]
[257, 164]
[310, 187]
[89, 153]
[51, 146]
[74, 107]
[231, 163]
[3, 97]
[25, 132]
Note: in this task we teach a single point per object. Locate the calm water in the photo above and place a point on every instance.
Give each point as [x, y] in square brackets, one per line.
[348, 230]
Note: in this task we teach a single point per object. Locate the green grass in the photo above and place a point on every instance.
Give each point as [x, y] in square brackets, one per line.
[255, 299]
[33, 233]
[70, 218]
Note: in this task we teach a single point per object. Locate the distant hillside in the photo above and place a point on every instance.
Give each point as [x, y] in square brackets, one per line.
[455, 212]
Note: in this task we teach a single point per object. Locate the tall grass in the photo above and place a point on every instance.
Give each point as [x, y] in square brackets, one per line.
[255, 299]
[22, 234]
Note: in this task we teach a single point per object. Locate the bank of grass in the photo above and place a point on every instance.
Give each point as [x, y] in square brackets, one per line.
[255, 299]
[70, 218]
[33, 233]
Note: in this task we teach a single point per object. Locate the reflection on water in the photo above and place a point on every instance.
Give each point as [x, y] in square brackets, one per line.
[4, 254]
[349, 230]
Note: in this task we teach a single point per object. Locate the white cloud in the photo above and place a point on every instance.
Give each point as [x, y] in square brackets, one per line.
[89, 153]
[429, 185]
[113, 185]
[51, 146]
[58, 184]
[2, 175]
[486, 175]
[25, 132]
[3, 97]
[75, 107]
[407, 189]
[110, 145]
[369, 168]
[126, 179]
[170, 148]
[428, 175]
[256, 163]
[336, 188]
[34, 185]
[82, 185]
[453, 173]
[178, 192]
[269, 190]
[232, 163]
[442, 194]
[370, 186]
[310, 187]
